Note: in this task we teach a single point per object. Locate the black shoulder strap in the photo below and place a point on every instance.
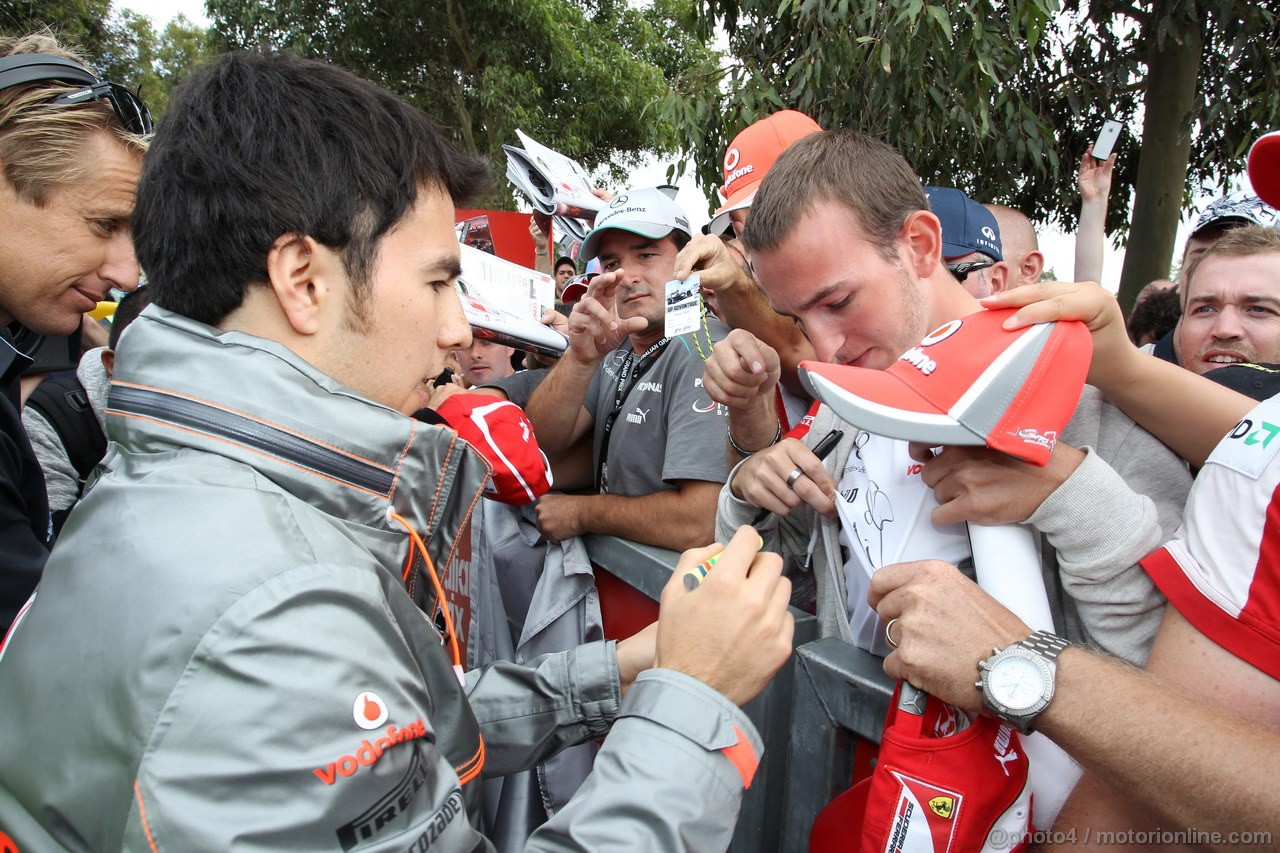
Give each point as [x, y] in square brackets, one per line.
[65, 405]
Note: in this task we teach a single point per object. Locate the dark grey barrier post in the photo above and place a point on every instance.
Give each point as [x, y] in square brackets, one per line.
[760, 823]
[841, 692]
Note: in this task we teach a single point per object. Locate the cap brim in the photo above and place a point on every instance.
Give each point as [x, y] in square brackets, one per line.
[738, 201]
[652, 230]
[572, 292]
[879, 402]
[1219, 221]
[1264, 168]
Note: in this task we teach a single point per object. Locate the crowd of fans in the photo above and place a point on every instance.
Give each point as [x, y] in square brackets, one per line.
[294, 560]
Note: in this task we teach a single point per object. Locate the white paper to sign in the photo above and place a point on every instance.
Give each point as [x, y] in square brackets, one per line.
[684, 306]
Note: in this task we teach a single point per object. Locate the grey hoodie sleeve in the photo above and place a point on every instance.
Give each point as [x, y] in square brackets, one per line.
[60, 478]
[1100, 528]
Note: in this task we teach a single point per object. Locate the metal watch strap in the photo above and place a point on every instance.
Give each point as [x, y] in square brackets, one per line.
[1045, 643]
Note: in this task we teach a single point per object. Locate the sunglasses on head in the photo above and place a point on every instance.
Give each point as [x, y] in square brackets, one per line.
[961, 271]
[25, 68]
[128, 107]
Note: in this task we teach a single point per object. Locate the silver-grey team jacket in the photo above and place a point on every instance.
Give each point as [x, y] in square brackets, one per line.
[222, 654]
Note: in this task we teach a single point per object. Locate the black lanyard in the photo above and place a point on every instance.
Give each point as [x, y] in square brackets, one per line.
[627, 379]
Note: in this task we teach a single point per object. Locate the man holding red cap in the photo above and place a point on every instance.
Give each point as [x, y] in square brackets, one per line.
[842, 240]
[1209, 701]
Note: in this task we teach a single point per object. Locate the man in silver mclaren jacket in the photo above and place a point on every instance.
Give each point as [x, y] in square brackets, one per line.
[225, 652]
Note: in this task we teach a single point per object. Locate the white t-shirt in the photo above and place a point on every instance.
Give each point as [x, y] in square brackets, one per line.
[885, 510]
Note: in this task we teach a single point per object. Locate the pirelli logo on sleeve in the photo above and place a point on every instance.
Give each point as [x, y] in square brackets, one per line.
[389, 811]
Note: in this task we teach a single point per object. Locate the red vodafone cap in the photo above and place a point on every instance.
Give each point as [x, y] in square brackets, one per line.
[1264, 168]
[968, 382]
[750, 156]
[500, 432]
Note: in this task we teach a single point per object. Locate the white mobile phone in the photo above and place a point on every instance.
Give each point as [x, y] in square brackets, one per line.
[1106, 141]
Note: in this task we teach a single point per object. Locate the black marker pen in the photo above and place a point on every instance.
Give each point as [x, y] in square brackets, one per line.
[822, 451]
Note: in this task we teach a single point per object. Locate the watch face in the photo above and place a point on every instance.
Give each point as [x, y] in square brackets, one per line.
[1016, 682]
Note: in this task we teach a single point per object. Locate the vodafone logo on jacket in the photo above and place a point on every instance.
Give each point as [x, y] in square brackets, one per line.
[369, 751]
[369, 711]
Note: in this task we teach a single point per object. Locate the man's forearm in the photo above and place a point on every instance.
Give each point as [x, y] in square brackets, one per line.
[1091, 238]
[677, 519]
[556, 405]
[1188, 412]
[752, 428]
[1188, 765]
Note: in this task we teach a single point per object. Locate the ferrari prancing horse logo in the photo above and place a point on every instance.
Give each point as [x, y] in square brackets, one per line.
[942, 806]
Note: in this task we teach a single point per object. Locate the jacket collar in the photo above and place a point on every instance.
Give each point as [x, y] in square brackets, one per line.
[182, 384]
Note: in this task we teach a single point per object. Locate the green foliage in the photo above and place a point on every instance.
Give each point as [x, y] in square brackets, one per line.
[997, 97]
[122, 46]
[84, 23]
[582, 76]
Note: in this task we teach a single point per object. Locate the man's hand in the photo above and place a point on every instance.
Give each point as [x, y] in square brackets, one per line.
[742, 371]
[560, 516]
[1114, 354]
[635, 655]
[595, 328]
[92, 334]
[946, 625]
[540, 230]
[988, 487]
[437, 394]
[720, 270]
[762, 480]
[734, 631]
[1094, 177]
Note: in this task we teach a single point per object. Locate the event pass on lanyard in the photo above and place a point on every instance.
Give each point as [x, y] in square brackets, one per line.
[684, 306]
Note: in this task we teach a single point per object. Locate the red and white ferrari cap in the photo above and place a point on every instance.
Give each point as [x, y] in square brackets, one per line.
[968, 382]
[940, 785]
[500, 432]
[1221, 570]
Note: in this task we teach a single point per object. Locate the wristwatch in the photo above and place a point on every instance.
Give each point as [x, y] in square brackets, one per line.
[1017, 682]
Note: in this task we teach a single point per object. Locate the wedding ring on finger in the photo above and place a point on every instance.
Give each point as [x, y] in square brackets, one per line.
[792, 477]
[888, 633]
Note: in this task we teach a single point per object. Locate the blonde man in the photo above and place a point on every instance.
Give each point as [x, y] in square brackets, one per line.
[70, 151]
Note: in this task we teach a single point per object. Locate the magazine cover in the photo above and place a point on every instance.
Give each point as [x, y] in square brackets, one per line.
[555, 184]
[504, 301]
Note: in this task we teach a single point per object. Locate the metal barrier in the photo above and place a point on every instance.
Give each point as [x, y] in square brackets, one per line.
[841, 696]
[761, 823]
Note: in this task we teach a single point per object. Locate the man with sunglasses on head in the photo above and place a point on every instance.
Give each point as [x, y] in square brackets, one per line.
[71, 147]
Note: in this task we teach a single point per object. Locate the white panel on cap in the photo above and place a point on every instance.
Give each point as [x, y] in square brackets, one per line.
[1033, 337]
